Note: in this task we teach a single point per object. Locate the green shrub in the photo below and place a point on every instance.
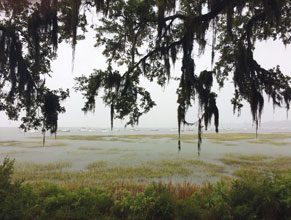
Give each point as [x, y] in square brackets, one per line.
[122, 205]
[187, 210]
[283, 190]
[16, 200]
[80, 204]
[155, 203]
[261, 196]
[211, 202]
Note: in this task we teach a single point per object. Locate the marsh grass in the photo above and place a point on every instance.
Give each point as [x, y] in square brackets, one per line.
[31, 144]
[245, 136]
[188, 138]
[105, 150]
[9, 143]
[237, 160]
[281, 164]
[12, 152]
[241, 163]
[27, 167]
[232, 159]
[102, 172]
[276, 142]
[55, 144]
[97, 165]
[180, 190]
[90, 149]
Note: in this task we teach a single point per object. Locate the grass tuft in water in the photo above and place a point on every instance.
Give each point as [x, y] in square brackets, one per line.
[102, 172]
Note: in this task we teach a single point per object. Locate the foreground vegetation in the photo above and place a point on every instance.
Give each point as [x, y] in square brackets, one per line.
[252, 195]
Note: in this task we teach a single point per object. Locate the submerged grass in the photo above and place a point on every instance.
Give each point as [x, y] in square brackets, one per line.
[238, 159]
[9, 143]
[31, 144]
[27, 167]
[276, 142]
[245, 136]
[221, 137]
[102, 173]
[97, 165]
[241, 163]
[13, 152]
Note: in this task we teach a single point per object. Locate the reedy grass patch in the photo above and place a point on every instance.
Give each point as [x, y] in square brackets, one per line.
[36, 167]
[31, 144]
[221, 137]
[9, 143]
[103, 172]
[275, 141]
[242, 163]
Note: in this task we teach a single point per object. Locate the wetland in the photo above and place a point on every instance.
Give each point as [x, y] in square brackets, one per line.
[90, 160]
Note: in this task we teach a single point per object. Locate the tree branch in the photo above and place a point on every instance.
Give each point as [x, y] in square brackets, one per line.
[151, 53]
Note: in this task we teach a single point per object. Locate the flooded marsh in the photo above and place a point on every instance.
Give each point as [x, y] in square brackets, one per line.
[144, 158]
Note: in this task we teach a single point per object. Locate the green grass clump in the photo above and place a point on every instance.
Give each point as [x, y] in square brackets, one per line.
[97, 165]
[241, 160]
[242, 163]
[49, 167]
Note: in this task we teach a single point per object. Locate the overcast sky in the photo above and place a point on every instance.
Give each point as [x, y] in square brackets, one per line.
[268, 54]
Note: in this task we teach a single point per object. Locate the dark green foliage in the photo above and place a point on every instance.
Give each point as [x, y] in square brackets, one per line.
[51, 108]
[79, 204]
[27, 46]
[16, 200]
[154, 203]
[30, 32]
[122, 94]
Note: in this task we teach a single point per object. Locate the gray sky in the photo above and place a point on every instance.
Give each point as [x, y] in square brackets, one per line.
[268, 54]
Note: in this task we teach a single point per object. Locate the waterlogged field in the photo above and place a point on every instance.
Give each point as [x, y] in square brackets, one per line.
[107, 160]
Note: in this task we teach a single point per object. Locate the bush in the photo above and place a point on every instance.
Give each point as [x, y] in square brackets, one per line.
[163, 204]
[79, 204]
[210, 202]
[252, 196]
[261, 196]
[16, 201]
[123, 205]
[154, 203]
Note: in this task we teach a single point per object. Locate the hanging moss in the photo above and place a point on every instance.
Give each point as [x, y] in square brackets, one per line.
[51, 108]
